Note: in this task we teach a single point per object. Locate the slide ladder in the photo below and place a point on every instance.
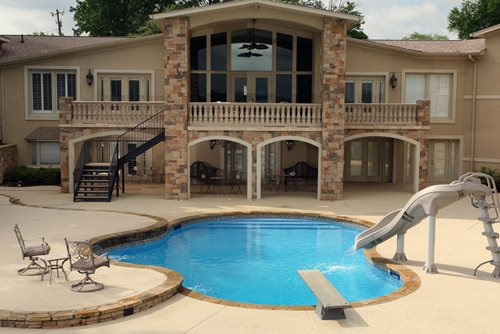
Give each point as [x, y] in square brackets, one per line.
[486, 207]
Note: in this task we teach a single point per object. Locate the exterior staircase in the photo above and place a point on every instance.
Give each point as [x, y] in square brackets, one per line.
[96, 181]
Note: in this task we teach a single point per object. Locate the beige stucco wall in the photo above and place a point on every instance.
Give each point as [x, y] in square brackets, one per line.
[487, 137]
[385, 62]
[147, 56]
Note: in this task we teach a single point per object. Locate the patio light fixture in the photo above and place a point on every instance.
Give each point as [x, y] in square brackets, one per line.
[212, 143]
[393, 81]
[90, 78]
[289, 144]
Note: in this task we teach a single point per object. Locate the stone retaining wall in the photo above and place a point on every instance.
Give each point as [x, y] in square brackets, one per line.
[8, 159]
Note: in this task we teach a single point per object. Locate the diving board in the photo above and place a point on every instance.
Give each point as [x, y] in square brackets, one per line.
[331, 303]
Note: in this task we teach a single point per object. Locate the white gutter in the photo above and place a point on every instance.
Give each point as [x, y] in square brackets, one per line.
[473, 116]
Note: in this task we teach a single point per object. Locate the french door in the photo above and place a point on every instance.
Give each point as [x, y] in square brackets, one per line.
[252, 88]
[443, 160]
[369, 160]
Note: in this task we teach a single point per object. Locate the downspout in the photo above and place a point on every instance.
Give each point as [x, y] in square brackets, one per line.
[473, 116]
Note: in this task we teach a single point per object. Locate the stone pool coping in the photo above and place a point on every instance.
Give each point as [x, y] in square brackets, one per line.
[173, 280]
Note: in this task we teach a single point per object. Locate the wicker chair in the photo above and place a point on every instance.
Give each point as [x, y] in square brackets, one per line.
[31, 249]
[83, 260]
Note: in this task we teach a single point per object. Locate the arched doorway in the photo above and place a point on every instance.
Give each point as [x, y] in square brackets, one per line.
[220, 165]
[382, 158]
[288, 163]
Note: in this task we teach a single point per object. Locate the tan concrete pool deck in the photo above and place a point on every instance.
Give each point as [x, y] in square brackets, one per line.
[453, 301]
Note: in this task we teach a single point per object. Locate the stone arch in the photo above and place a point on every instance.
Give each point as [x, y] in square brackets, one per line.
[284, 138]
[416, 157]
[227, 138]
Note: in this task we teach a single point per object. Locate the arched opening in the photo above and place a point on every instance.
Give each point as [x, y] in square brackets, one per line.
[288, 164]
[382, 158]
[220, 165]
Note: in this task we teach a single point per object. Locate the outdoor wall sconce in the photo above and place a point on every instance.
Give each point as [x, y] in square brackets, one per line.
[393, 81]
[212, 143]
[289, 144]
[90, 78]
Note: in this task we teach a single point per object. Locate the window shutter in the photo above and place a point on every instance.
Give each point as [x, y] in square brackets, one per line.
[414, 87]
[439, 94]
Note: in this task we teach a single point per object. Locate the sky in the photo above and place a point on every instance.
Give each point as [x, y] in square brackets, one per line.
[384, 19]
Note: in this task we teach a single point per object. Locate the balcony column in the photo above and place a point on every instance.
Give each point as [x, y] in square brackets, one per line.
[65, 110]
[176, 94]
[332, 99]
[423, 120]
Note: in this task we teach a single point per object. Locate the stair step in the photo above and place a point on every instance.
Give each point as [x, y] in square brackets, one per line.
[91, 198]
[94, 185]
[493, 235]
[93, 192]
[493, 249]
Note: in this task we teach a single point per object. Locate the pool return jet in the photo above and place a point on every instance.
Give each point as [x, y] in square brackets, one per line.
[427, 202]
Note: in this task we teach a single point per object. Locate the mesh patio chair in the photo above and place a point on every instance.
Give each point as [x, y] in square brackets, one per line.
[31, 249]
[83, 260]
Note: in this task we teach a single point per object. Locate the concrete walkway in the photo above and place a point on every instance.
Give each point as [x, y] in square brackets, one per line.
[452, 301]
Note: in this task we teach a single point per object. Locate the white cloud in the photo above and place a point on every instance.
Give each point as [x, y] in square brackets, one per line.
[396, 19]
[26, 18]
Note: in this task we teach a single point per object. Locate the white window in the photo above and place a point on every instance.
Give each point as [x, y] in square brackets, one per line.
[365, 89]
[47, 86]
[45, 153]
[434, 87]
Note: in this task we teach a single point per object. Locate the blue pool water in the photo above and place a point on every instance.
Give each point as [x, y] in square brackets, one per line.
[255, 260]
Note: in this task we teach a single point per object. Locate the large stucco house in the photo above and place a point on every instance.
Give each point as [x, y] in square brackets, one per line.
[252, 87]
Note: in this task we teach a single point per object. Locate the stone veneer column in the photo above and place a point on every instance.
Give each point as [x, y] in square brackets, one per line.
[176, 93]
[423, 120]
[64, 118]
[332, 99]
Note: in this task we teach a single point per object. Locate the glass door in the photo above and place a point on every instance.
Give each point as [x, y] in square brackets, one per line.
[443, 161]
[252, 88]
[369, 160]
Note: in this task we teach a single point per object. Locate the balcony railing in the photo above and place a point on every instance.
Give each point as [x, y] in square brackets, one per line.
[254, 114]
[114, 112]
[381, 114]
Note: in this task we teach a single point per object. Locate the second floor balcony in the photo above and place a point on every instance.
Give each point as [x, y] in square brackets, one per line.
[251, 116]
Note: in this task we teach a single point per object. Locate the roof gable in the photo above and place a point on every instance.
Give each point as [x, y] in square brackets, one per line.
[256, 5]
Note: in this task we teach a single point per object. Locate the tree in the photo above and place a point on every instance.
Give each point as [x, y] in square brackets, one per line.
[473, 15]
[115, 17]
[430, 37]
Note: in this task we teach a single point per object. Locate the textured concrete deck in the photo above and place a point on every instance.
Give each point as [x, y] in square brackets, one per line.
[452, 301]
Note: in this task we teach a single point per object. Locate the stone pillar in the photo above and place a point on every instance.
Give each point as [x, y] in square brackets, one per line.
[65, 114]
[332, 99]
[423, 120]
[176, 42]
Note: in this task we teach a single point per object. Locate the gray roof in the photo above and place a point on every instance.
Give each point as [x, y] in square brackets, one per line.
[44, 134]
[437, 47]
[37, 46]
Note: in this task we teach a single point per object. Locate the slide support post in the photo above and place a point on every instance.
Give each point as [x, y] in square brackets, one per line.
[400, 255]
[429, 266]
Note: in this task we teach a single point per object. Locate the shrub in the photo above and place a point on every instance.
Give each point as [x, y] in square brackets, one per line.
[28, 176]
[493, 173]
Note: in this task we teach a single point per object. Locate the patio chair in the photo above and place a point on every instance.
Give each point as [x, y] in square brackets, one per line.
[83, 260]
[31, 249]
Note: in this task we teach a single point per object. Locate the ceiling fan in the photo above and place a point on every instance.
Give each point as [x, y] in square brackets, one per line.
[253, 45]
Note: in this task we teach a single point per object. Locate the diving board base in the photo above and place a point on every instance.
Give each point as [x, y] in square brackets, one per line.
[331, 303]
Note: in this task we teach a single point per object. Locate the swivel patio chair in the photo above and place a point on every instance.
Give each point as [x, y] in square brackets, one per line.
[83, 260]
[31, 249]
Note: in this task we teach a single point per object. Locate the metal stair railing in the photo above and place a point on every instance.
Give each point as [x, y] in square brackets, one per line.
[149, 132]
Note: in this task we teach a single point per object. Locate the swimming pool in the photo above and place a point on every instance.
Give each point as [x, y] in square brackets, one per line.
[255, 259]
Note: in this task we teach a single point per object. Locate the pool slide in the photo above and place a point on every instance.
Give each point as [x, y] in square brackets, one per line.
[426, 202]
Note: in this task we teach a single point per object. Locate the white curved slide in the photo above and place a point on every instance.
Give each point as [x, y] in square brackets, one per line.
[425, 203]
